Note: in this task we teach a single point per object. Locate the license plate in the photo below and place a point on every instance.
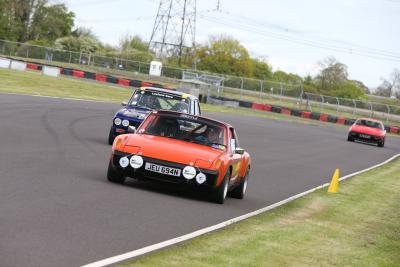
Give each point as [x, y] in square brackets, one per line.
[365, 136]
[162, 169]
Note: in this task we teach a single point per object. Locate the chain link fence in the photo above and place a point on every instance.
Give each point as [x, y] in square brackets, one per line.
[233, 87]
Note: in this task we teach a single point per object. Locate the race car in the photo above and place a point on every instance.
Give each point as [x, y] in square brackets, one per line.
[368, 131]
[146, 99]
[182, 149]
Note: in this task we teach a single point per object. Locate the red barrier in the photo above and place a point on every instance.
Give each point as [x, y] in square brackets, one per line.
[146, 84]
[78, 73]
[261, 106]
[341, 121]
[101, 77]
[123, 82]
[394, 130]
[286, 111]
[306, 114]
[323, 117]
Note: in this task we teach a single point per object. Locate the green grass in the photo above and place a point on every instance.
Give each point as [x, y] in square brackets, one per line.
[359, 226]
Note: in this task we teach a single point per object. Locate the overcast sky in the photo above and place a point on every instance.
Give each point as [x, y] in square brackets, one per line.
[291, 35]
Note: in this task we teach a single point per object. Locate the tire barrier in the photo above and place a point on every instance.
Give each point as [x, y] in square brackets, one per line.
[78, 73]
[341, 121]
[90, 75]
[101, 77]
[261, 106]
[157, 85]
[111, 79]
[124, 82]
[349, 122]
[286, 111]
[296, 112]
[276, 109]
[32, 66]
[323, 117]
[315, 116]
[387, 128]
[135, 83]
[394, 130]
[146, 84]
[306, 114]
[67, 72]
[332, 119]
[244, 104]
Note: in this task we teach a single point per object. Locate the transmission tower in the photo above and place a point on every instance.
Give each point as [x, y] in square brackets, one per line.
[174, 29]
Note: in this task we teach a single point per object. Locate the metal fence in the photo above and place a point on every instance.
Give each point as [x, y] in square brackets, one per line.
[261, 91]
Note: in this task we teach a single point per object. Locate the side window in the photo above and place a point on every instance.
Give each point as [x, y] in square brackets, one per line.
[196, 107]
[233, 140]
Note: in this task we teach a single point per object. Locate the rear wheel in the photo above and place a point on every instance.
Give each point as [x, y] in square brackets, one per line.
[219, 195]
[111, 137]
[240, 190]
[114, 175]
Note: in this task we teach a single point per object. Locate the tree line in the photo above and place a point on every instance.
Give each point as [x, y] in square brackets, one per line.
[38, 22]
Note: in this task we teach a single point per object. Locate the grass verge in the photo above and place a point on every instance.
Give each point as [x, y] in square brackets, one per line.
[359, 226]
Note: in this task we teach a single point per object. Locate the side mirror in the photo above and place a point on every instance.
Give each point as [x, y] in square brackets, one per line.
[131, 129]
[239, 150]
[124, 103]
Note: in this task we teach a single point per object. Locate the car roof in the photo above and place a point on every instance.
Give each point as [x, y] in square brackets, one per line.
[370, 119]
[169, 91]
[168, 112]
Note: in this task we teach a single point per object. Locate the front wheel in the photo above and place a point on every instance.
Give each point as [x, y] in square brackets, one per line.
[240, 190]
[381, 143]
[114, 175]
[111, 137]
[219, 195]
[349, 138]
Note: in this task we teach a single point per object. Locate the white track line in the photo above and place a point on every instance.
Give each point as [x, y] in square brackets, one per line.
[138, 252]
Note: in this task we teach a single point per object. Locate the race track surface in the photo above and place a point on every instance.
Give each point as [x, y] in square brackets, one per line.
[57, 209]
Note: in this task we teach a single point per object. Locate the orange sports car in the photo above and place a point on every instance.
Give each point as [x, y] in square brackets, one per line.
[184, 149]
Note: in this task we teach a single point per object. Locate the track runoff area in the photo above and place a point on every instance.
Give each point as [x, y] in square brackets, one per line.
[55, 197]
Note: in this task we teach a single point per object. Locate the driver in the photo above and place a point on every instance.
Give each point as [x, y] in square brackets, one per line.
[150, 102]
[210, 135]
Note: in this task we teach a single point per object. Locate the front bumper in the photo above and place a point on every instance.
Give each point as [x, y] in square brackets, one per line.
[117, 130]
[366, 138]
[141, 173]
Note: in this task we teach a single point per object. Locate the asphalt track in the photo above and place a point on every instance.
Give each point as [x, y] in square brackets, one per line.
[57, 209]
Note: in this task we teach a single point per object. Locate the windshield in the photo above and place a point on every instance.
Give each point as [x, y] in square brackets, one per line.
[159, 100]
[190, 129]
[372, 124]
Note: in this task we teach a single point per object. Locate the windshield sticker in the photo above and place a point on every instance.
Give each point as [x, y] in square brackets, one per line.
[163, 95]
[188, 116]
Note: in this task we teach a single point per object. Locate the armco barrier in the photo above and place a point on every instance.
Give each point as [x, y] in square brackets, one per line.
[101, 77]
[90, 75]
[78, 73]
[124, 82]
[112, 79]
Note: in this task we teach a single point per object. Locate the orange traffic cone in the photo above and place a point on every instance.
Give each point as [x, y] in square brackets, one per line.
[334, 186]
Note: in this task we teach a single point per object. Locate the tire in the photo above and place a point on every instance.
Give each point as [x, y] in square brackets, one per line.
[349, 138]
[114, 175]
[111, 137]
[219, 195]
[381, 143]
[240, 190]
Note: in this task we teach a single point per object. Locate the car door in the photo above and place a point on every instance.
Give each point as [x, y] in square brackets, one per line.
[236, 158]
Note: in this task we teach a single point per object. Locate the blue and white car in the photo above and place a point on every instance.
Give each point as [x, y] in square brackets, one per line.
[146, 99]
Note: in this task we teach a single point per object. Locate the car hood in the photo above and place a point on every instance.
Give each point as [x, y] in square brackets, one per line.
[132, 112]
[367, 130]
[173, 150]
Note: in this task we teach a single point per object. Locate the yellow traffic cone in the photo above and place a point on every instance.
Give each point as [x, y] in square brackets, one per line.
[334, 186]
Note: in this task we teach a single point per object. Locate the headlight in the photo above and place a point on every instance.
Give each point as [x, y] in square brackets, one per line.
[117, 121]
[136, 161]
[125, 123]
[189, 172]
[200, 178]
[124, 162]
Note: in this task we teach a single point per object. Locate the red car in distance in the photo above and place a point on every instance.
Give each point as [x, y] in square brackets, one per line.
[369, 131]
[180, 148]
